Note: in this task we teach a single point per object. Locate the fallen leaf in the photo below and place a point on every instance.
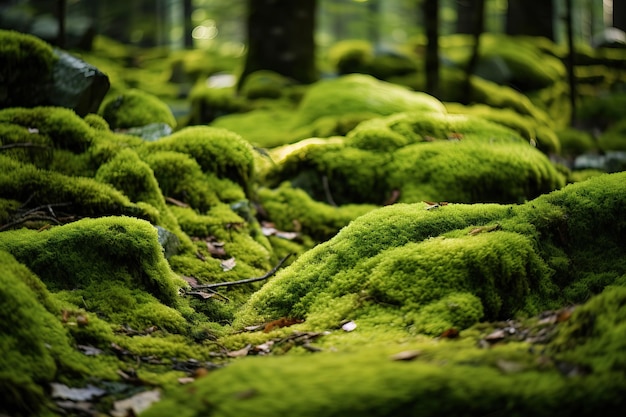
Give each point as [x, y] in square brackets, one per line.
[349, 326]
[216, 249]
[135, 404]
[509, 367]
[63, 392]
[450, 334]
[89, 350]
[241, 352]
[495, 336]
[253, 328]
[407, 355]
[281, 322]
[228, 264]
[190, 280]
[185, 380]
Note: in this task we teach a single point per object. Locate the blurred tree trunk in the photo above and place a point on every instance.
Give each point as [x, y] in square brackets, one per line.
[373, 8]
[464, 12]
[430, 11]
[280, 38]
[61, 11]
[570, 58]
[187, 24]
[478, 27]
[619, 14]
[533, 18]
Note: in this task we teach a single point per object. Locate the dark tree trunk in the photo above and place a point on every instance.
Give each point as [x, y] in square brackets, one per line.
[430, 12]
[619, 14]
[280, 38]
[570, 57]
[61, 8]
[187, 25]
[464, 13]
[478, 26]
[533, 18]
[373, 9]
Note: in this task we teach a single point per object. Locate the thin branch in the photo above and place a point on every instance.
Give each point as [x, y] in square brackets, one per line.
[22, 145]
[329, 196]
[243, 281]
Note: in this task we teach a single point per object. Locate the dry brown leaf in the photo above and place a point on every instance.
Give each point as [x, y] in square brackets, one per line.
[228, 264]
[281, 322]
[407, 355]
[241, 352]
[135, 404]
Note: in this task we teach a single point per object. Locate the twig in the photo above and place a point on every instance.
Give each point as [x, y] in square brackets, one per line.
[243, 281]
[329, 196]
[23, 145]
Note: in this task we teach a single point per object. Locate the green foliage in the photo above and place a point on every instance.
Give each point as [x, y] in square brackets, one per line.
[614, 138]
[26, 64]
[208, 103]
[264, 84]
[575, 142]
[602, 111]
[135, 108]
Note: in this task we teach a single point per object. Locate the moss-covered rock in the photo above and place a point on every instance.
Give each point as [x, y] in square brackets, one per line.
[405, 264]
[358, 93]
[351, 56]
[135, 108]
[417, 156]
[26, 64]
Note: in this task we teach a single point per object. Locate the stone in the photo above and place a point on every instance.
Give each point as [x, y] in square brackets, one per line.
[77, 85]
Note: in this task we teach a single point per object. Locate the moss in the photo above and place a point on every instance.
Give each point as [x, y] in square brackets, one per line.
[208, 104]
[135, 108]
[114, 249]
[217, 151]
[262, 127]
[575, 142]
[461, 158]
[264, 84]
[614, 138]
[78, 195]
[97, 122]
[404, 260]
[26, 64]
[292, 210]
[29, 145]
[359, 93]
[369, 383]
[65, 129]
[351, 56]
[602, 111]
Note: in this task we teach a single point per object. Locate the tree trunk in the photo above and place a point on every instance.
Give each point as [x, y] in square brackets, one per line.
[464, 13]
[478, 26]
[187, 24]
[61, 8]
[430, 12]
[570, 58]
[280, 38]
[619, 14]
[533, 18]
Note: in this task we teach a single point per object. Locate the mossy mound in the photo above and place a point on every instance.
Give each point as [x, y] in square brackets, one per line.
[581, 375]
[26, 64]
[358, 93]
[135, 108]
[428, 269]
[416, 156]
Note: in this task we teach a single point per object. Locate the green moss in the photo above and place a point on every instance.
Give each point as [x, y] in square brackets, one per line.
[603, 110]
[575, 142]
[410, 262]
[614, 138]
[369, 383]
[63, 127]
[351, 56]
[264, 84]
[217, 151]
[82, 196]
[261, 127]
[26, 64]
[135, 108]
[416, 156]
[359, 93]
[292, 210]
[208, 104]
[115, 249]
[28, 145]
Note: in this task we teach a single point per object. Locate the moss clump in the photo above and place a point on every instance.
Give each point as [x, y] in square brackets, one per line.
[359, 93]
[217, 151]
[614, 138]
[135, 108]
[264, 84]
[417, 156]
[351, 56]
[410, 262]
[26, 64]
[208, 104]
[575, 142]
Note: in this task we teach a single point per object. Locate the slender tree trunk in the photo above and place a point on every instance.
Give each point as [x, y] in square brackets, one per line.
[430, 11]
[280, 38]
[61, 8]
[533, 18]
[478, 26]
[570, 58]
[187, 24]
[464, 12]
[619, 14]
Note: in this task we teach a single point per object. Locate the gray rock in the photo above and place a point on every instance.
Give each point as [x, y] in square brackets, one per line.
[169, 241]
[149, 133]
[77, 85]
